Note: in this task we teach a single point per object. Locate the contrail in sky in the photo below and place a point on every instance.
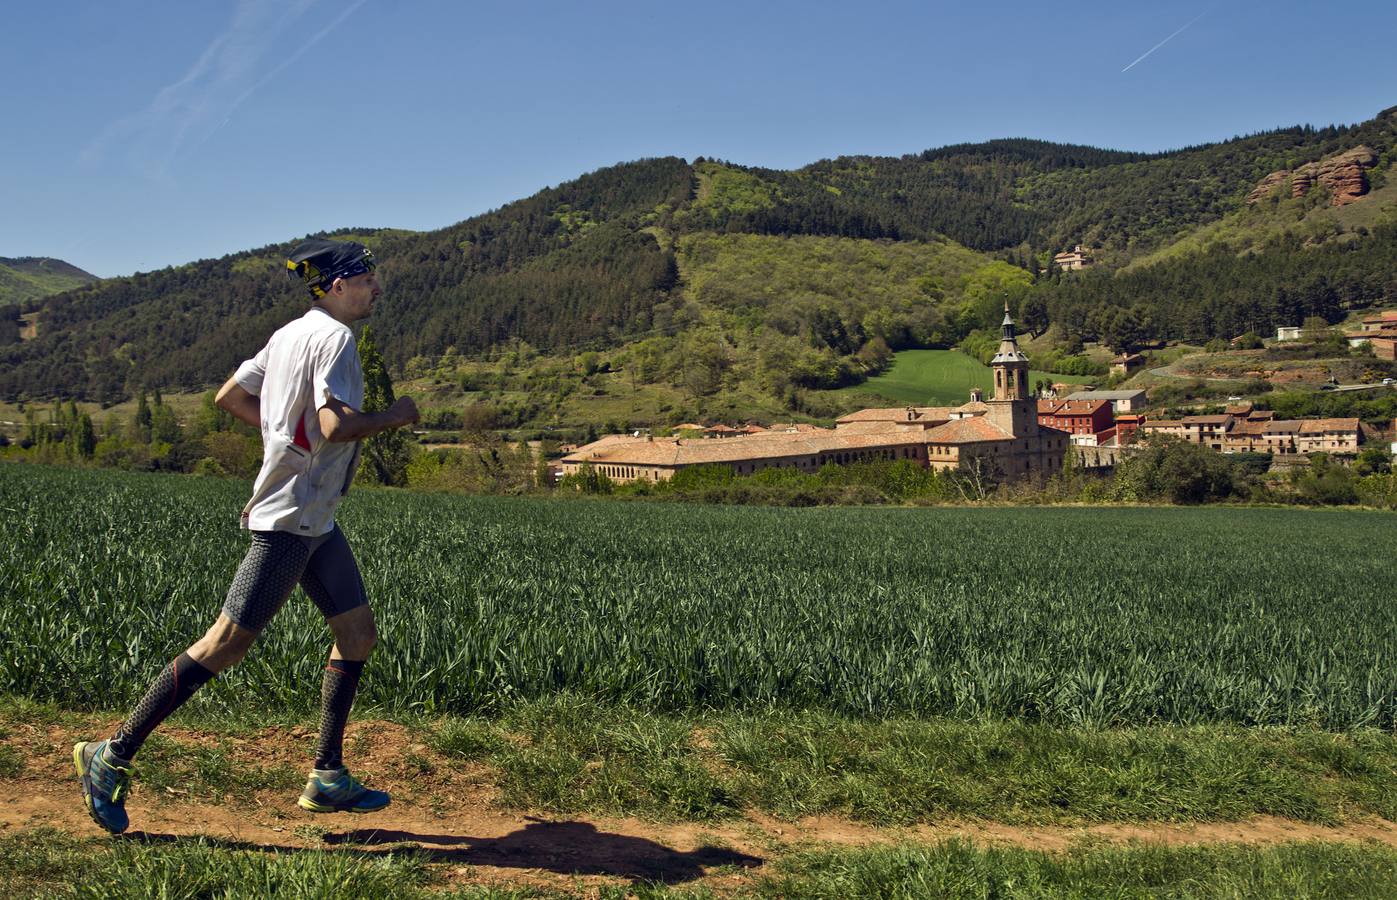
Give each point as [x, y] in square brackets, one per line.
[1163, 42]
[287, 62]
[184, 114]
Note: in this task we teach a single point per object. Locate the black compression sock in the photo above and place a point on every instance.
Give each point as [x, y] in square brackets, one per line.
[175, 684]
[336, 697]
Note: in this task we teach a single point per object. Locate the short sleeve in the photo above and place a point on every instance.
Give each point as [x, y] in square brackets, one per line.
[250, 374]
[337, 372]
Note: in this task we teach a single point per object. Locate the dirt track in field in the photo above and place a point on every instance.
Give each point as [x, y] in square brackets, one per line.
[452, 814]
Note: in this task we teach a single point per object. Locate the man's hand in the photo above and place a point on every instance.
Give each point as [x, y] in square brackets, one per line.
[341, 422]
[404, 411]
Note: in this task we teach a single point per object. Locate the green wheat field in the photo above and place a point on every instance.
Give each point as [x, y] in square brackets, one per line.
[1094, 617]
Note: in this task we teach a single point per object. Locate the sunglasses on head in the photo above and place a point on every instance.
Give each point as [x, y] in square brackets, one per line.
[358, 267]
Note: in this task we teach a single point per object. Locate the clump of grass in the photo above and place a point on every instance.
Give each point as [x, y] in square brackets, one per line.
[11, 760]
[572, 755]
[204, 770]
[959, 868]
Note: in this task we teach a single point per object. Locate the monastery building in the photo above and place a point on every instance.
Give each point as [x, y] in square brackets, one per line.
[1001, 436]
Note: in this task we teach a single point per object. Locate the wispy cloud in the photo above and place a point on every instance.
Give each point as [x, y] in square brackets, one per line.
[1165, 41]
[185, 113]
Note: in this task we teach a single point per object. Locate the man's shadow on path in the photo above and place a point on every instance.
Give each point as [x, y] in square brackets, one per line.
[566, 848]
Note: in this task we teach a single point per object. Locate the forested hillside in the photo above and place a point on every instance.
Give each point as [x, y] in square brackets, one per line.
[31, 277]
[843, 258]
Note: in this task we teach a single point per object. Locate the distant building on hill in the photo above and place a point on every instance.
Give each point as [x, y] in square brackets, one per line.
[1001, 437]
[1078, 257]
[1288, 332]
[1380, 322]
[1127, 364]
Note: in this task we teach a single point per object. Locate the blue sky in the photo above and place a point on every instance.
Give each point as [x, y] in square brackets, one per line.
[141, 135]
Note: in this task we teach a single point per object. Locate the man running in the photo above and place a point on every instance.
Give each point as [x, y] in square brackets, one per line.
[303, 390]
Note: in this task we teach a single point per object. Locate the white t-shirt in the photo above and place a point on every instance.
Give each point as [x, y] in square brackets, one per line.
[305, 363]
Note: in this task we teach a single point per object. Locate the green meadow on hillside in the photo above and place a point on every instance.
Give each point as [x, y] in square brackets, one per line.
[942, 378]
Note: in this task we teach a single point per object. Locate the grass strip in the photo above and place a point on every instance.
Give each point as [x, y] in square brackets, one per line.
[48, 863]
[957, 868]
[571, 755]
[574, 755]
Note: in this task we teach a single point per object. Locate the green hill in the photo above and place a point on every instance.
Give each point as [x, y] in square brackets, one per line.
[942, 378]
[783, 280]
[32, 277]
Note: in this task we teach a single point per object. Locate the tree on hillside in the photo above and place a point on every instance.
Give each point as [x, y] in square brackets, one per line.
[1314, 328]
[143, 419]
[387, 453]
[1120, 329]
[1033, 314]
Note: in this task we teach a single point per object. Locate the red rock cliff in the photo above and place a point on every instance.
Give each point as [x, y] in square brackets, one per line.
[1342, 174]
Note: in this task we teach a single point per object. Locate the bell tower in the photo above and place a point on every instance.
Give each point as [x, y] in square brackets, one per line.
[1012, 408]
[1009, 364]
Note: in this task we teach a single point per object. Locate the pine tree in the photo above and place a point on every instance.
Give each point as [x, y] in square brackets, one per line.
[387, 453]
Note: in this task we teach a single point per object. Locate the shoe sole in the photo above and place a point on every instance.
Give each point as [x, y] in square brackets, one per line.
[87, 797]
[311, 806]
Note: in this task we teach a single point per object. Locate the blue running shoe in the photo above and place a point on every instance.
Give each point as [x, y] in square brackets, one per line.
[104, 785]
[338, 791]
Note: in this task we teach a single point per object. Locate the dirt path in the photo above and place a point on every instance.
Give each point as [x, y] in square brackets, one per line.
[457, 822]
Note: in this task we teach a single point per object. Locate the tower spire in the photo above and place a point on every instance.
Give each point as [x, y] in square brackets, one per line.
[1010, 365]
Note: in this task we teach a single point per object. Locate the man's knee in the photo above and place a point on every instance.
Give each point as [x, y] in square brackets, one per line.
[223, 645]
[355, 633]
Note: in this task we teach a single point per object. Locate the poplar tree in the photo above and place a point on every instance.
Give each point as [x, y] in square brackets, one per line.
[84, 437]
[387, 453]
[143, 419]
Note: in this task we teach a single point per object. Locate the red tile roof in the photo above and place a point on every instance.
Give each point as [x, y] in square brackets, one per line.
[1071, 407]
[1329, 426]
[966, 431]
[920, 415]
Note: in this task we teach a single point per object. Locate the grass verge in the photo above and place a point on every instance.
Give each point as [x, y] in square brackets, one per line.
[49, 863]
[570, 755]
[961, 869]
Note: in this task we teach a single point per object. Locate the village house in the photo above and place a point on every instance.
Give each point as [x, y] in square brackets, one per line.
[1207, 431]
[1287, 332]
[1340, 436]
[1121, 401]
[1259, 431]
[1278, 437]
[1001, 435]
[1076, 417]
[1380, 322]
[1384, 346]
[1173, 428]
[1128, 427]
[1127, 363]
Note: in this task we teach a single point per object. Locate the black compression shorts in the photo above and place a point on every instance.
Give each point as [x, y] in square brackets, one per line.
[324, 566]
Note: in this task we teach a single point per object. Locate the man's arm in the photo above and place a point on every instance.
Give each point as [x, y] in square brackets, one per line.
[244, 406]
[341, 422]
